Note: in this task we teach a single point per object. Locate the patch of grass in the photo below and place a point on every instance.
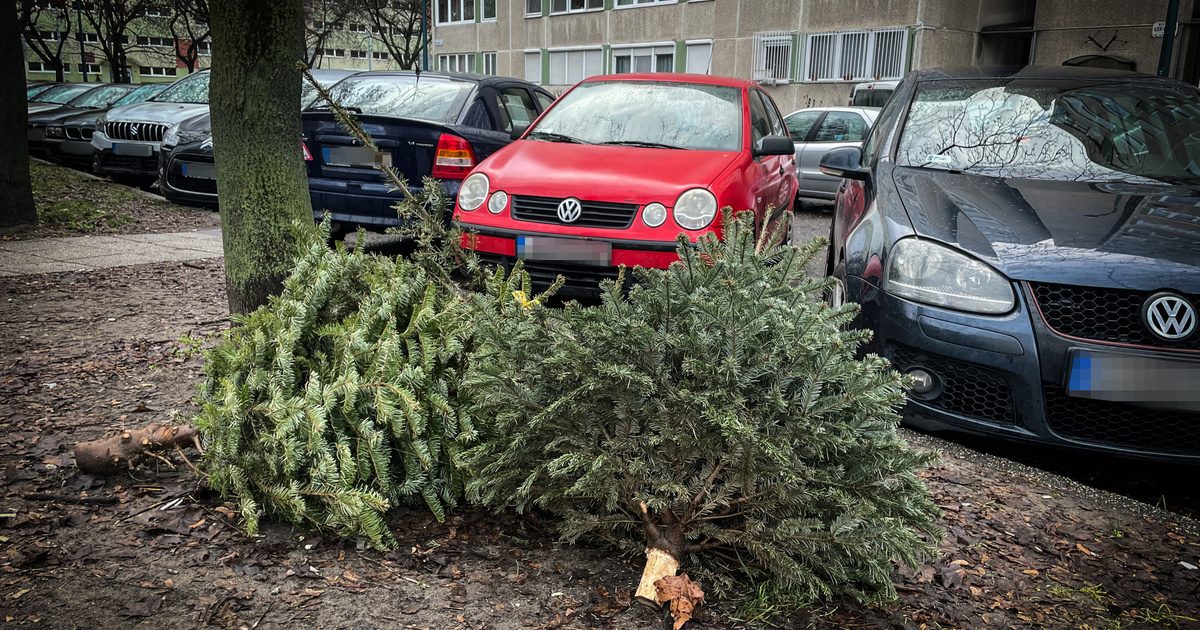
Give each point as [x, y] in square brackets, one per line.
[1096, 593]
[72, 201]
[81, 216]
[1162, 616]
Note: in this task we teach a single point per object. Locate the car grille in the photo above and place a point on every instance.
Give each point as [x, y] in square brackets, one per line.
[177, 180]
[78, 133]
[1113, 315]
[597, 214]
[135, 131]
[579, 278]
[967, 389]
[1121, 424]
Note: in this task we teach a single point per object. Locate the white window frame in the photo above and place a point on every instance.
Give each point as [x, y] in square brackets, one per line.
[462, 5]
[484, 18]
[585, 9]
[639, 4]
[526, 58]
[832, 67]
[358, 28]
[687, 52]
[566, 56]
[358, 54]
[91, 38]
[462, 62]
[44, 67]
[157, 13]
[762, 56]
[380, 55]
[92, 68]
[630, 50]
[489, 63]
[533, 14]
[158, 71]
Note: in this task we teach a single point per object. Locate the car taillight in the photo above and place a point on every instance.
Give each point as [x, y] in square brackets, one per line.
[307, 154]
[453, 158]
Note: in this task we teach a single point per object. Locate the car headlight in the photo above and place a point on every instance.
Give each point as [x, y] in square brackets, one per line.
[102, 125]
[654, 214]
[935, 274]
[54, 132]
[695, 209]
[170, 138]
[498, 202]
[474, 190]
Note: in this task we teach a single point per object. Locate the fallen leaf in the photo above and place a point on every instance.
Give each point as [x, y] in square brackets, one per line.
[1033, 572]
[683, 595]
[1083, 549]
[19, 593]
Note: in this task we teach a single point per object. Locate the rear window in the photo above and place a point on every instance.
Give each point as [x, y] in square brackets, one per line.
[190, 89]
[877, 97]
[425, 98]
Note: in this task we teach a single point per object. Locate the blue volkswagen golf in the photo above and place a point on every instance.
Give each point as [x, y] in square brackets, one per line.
[1026, 246]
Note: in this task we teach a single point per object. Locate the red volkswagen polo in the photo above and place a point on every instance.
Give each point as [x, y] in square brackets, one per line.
[619, 166]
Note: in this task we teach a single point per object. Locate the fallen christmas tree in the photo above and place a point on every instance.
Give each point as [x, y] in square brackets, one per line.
[715, 415]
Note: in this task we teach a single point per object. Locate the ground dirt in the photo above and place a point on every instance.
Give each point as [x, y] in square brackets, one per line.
[85, 354]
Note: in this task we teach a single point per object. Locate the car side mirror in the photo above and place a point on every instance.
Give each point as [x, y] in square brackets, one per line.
[518, 131]
[774, 145]
[845, 162]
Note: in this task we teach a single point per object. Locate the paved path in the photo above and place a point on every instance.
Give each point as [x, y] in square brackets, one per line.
[82, 253]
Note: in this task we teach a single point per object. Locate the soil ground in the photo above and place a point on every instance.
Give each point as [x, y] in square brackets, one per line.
[87, 353]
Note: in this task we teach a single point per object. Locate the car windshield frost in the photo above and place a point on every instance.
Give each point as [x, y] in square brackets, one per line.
[645, 113]
[191, 89]
[1058, 130]
[140, 94]
[60, 94]
[100, 97]
[426, 98]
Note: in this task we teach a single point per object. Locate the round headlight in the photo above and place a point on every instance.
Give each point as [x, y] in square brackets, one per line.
[695, 209]
[654, 214]
[170, 138]
[474, 190]
[498, 202]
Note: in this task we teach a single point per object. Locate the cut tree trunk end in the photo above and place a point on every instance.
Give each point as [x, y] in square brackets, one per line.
[120, 453]
[659, 564]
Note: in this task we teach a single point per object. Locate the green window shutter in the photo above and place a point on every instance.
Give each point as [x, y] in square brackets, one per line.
[680, 56]
[545, 62]
[545, 7]
[606, 59]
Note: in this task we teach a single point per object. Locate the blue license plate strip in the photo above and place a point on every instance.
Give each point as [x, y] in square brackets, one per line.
[1135, 378]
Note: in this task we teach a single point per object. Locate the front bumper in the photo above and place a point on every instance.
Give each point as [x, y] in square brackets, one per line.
[1005, 377]
[176, 187]
[366, 204]
[71, 151]
[107, 162]
[498, 246]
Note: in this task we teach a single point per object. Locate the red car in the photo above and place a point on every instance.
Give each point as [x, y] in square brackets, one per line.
[619, 166]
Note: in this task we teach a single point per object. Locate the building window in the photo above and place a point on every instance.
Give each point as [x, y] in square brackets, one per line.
[161, 42]
[533, 67]
[91, 38]
[204, 48]
[568, 67]
[358, 54]
[458, 62]
[382, 56]
[455, 11]
[50, 36]
[38, 66]
[660, 58]
[148, 71]
[157, 13]
[699, 58]
[333, 52]
[91, 68]
[533, 7]
[487, 10]
[773, 56]
[358, 28]
[489, 63]
[575, 6]
[639, 3]
[855, 56]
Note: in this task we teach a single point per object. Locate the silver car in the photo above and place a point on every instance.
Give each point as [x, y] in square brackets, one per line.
[818, 130]
[126, 140]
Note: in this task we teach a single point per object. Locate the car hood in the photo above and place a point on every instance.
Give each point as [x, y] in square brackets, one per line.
[602, 173]
[57, 116]
[1112, 234]
[151, 111]
[37, 108]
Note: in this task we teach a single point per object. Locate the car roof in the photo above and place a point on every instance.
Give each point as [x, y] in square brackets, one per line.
[1029, 72]
[673, 77]
[839, 108]
[457, 76]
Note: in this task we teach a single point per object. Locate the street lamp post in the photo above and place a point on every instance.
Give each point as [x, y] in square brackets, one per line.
[1168, 43]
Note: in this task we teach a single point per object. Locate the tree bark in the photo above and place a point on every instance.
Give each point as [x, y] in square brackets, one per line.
[122, 452]
[262, 186]
[16, 193]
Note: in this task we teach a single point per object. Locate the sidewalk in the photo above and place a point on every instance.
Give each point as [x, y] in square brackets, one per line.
[84, 253]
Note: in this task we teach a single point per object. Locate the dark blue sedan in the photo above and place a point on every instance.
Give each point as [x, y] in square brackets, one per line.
[435, 125]
[1025, 244]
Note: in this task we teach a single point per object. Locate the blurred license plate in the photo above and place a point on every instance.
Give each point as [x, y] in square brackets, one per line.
[199, 170]
[1134, 378]
[126, 148]
[361, 157]
[564, 250]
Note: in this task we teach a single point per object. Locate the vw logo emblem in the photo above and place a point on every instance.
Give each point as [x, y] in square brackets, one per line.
[569, 210]
[1169, 316]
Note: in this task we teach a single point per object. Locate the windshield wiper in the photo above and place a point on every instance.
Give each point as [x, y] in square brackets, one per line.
[641, 143]
[550, 136]
[325, 108]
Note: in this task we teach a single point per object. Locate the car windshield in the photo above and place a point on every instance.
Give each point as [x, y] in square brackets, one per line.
[190, 89]
[140, 94]
[308, 92]
[427, 98]
[101, 97]
[34, 90]
[60, 94]
[1075, 130]
[647, 113]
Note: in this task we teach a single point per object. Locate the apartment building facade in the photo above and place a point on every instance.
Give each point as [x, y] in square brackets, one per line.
[807, 52]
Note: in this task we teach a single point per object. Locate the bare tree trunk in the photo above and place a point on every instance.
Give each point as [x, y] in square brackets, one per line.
[16, 194]
[261, 180]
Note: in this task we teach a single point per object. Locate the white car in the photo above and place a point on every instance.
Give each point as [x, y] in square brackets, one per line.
[127, 139]
[872, 93]
[818, 130]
